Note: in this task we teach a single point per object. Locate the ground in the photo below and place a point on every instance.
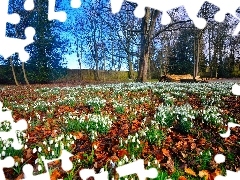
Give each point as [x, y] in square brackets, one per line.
[184, 145]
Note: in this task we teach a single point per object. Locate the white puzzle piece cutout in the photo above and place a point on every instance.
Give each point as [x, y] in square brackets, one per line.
[9, 45]
[66, 165]
[136, 167]
[21, 125]
[8, 162]
[192, 8]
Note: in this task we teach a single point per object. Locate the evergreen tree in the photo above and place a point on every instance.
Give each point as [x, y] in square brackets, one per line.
[46, 62]
[182, 61]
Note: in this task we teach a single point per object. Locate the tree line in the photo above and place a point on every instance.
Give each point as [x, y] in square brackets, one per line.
[106, 41]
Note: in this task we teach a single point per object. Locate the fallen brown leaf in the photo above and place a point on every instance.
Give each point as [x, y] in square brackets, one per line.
[205, 174]
[182, 178]
[55, 175]
[28, 153]
[190, 171]
[165, 152]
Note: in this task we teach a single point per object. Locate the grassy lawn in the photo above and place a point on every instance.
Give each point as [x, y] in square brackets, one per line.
[174, 127]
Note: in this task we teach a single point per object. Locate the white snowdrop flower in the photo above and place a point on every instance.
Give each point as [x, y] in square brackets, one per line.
[53, 153]
[136, 135]
[132, 156]
[72, 142]
[56, 140]
[34, 150]
[101, 170]
[51, 141]
[95, 146]
[22, 160]
[56, 145]
[16, 164]
[68, 138]
[49, 148]
[137, 146]
[25, 146]
[119, 163]
[133, 139]
[3, 153]
[125, 158]
[121, 142]
[39, 149]
[149, 163]
[156, 162]
[39, 167]
[37, 115]
[143, 133]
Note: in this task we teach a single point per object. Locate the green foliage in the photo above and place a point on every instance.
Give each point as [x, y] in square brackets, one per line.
[155, 135]
[6, 149]
[204, 159]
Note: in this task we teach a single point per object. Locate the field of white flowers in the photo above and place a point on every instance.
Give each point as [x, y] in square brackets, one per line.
[174, 127]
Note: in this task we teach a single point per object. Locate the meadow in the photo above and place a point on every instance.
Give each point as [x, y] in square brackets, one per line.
[174, 127]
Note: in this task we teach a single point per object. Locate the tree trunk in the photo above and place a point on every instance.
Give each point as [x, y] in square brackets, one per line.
[147, 26]
[143, 65]
[196, 53]
[14, 75]
[24, 74]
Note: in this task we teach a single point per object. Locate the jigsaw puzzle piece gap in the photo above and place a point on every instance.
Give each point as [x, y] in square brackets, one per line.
[228, 133]
[61, 15]
[5, 17]
[166, 19]
[236, 87]
[66, 163]
[219, 16]
[219, 158]
[116, 5]
[229, 175]
[226, 7]
[13, 18]
[20, 125]
[86, 173]
[236, 33]
[8, 162]
[28, 173]
[139, 11]
[75, 3]
[137, 167]
[29, 5]
[192, 8]
[13, 45]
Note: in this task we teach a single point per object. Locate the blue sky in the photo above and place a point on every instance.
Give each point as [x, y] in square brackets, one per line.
[73, 17]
